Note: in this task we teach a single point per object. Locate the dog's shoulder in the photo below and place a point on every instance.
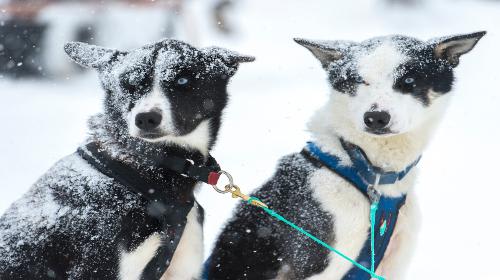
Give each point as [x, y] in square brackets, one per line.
[58, 211]
[292, 169]
[289, 191]
[74, 181]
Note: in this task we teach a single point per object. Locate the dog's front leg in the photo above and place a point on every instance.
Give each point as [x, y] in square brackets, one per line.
[188, 257]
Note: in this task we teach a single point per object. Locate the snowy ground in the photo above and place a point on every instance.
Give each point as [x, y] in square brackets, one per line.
[273, 98]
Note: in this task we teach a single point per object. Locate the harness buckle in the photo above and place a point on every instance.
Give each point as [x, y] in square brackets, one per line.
[372, 192]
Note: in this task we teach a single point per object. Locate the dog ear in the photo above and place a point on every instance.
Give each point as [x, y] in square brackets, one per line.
[239, 58]
[325, 51]
[451, 48]
[90, 56]
[230, 58]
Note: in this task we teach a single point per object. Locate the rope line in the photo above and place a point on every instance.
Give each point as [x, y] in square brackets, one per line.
[373, 212]
[324, 244]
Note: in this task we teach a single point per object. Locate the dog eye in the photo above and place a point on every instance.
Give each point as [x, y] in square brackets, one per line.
[360, 80]
[182, 81]
[127, 86]
[409, 80]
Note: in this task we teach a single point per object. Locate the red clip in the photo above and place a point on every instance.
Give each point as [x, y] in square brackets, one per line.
[213, 178]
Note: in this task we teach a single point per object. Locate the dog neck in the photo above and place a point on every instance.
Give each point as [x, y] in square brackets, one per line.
[392, 153]
[138, 153]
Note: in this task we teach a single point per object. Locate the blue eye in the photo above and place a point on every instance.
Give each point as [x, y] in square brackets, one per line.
[360, 80]
[182, 81]
[409, 80]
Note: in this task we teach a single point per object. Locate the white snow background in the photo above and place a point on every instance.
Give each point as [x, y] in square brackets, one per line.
[272, 99]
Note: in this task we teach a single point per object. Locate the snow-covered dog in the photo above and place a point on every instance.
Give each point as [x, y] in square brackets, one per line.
[387, 96]
[121, 206]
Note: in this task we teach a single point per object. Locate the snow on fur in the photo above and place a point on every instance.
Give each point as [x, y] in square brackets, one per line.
[73, 192]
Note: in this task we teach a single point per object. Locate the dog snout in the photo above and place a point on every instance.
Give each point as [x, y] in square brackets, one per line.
[377, 119]
[148, 121]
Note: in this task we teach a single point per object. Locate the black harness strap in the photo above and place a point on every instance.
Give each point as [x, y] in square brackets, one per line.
[208, 173]
[172, 211]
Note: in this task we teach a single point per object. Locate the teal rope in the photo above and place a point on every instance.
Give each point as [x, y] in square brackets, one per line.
[320, 242]
[373, 212]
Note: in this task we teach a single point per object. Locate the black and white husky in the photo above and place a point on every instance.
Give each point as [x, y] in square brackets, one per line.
[388, 94]
[110, 211]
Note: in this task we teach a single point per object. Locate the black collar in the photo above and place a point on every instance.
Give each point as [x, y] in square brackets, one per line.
[176, 203]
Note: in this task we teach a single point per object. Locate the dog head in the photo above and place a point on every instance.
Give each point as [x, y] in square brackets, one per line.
[168, 91]
[390, 85]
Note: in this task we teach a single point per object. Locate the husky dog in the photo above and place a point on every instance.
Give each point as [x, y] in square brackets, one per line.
[388, 94]
[79, 220]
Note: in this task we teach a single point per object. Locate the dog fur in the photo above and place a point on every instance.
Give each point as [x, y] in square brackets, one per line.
[407, 79]
[77, 223]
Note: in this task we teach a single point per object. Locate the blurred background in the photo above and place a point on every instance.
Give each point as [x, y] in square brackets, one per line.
[45, 99]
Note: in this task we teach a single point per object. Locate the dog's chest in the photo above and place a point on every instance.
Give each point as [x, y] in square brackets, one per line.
[187, 258]
[350, 211]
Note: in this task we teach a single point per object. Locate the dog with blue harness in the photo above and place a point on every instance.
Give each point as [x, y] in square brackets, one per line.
[388, 95]
[363, 175]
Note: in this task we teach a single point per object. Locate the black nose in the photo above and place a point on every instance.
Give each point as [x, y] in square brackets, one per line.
[377, 119]
[148, 121]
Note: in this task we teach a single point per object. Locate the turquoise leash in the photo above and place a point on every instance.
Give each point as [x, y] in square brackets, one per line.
[373, 211]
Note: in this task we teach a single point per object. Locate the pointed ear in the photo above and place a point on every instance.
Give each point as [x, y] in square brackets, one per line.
[239, 58]
[325, 51]
[451, 48]
[230, 58]
[89, 55]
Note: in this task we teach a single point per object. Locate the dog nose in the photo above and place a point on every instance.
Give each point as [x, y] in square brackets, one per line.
[377, 119]
[148, 121]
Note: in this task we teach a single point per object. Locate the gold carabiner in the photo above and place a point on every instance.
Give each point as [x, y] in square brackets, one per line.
[236, 192]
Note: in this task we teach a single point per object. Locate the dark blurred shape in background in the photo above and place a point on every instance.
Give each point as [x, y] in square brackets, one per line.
[32, 32]
[220, 10]
[19, 47]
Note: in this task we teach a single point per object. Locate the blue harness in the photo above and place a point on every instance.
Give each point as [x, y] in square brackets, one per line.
[363, 175]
